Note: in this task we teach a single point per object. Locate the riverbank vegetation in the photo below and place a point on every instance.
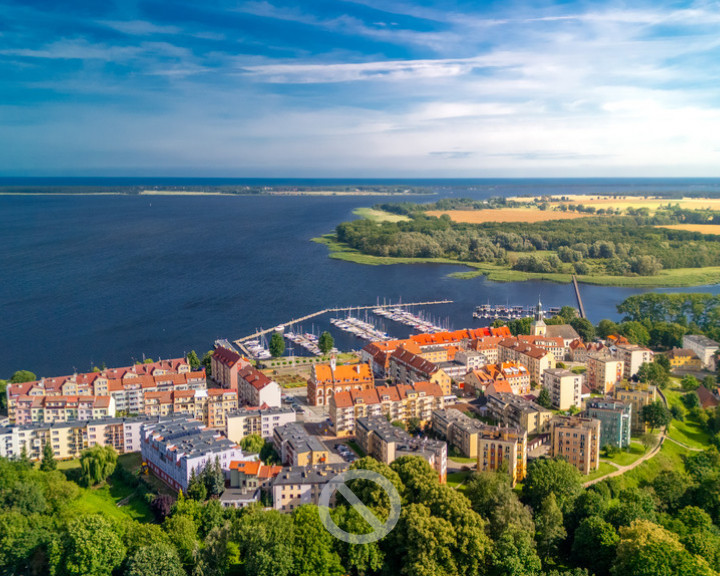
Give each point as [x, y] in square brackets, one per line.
[609, 246]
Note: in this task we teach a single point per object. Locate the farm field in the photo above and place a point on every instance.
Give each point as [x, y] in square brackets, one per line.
[702, 228]
[507, 215]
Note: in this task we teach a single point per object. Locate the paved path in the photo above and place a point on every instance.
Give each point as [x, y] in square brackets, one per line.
[685, 445]
[622, 469]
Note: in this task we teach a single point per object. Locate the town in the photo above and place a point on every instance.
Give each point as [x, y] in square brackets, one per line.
[464, 401]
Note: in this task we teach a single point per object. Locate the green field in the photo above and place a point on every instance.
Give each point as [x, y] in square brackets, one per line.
[603, 470]
[625, 458]
[689, 431]
[670, 457]
[379, 215]
[458, 479]
[462, 460]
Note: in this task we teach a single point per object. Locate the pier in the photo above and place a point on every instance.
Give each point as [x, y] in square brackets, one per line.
[239, 342]
[577, 295]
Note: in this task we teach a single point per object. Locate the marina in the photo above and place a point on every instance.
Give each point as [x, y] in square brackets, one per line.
[306, 340]
[507, 312]
[417, 321]
[361, 329]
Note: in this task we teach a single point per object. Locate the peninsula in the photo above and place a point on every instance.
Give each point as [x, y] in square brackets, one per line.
[606, 240]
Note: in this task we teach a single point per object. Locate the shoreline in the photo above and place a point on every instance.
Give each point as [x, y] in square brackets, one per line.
[320, 193]
[673, 278]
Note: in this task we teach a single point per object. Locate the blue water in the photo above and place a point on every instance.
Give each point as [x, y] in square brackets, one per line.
[92, 279]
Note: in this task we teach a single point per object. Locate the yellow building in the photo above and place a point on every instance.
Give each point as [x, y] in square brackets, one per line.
[577, 440]
[684, 358]
[639, 395]
[297, 447]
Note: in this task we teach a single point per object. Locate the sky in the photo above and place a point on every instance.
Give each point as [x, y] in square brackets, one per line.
[365, 88]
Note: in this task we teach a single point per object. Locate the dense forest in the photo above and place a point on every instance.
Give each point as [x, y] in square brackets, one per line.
[666, 525]
[621, 245]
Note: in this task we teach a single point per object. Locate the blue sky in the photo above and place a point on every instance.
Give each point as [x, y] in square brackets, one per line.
[370, 88]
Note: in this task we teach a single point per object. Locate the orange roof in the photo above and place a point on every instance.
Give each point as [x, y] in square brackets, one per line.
[502, 386]
[344, 373]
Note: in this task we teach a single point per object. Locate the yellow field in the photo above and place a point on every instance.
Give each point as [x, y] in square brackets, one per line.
[702, 228]
[507, 215]
[651, 203]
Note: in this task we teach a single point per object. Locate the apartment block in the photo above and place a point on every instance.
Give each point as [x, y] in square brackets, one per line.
[638, 395]
[556, 345]
[633, 356]
[174, 448]
[705, 348]
[261, 421]
[615, 421]
[385, 442]
[248, 478]
[256, 389]
[401, 402]
[225, 364]
[537, 360]
[298, 485]
[297, 447]
[516, 411]
[564, 387]
[327, 380]
[604, 372]
[406, 368]
[515, 375]
[48, 409]
[577, 440]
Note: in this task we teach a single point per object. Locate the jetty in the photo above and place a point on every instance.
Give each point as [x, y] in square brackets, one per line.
[579, 298]
[240, 342]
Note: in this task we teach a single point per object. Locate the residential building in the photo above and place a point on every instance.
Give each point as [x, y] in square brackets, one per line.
[564, 331]
[47, 409]
[512, 373]
[220, 402]
[518, 412]
[639, 395]
[329, 379]
[297, 447]
[401, 402]
[577, 440]
[471, 359]
[604, 371]
[554, 345]
[380, 439]
[491, 445]
[704, 347]
[564, 387]
[174, 448]
[534, 358]
[256, 389]
[707, 398]
[684, 358]
[298, 485]
[261, 421]
[247, 479]
[615, 420]
[225, 364]
[406, 368]
[578, 351]
[633, 356]
[488, 347]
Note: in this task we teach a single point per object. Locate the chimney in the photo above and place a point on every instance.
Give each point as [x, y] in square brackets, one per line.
[357, 368]
[333, 364]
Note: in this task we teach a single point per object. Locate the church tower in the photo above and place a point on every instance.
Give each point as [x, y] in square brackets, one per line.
[538, 327]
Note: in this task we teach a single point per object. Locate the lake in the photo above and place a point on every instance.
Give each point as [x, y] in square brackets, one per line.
[93, 279]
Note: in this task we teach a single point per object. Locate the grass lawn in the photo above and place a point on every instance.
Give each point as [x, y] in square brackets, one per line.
[625, 458]
[68, 464]
[463, 460]
[604, 469]
[689, 431]
[670, 457]
[457, 479]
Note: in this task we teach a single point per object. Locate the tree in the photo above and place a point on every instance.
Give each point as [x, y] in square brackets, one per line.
[358, 559]
[161, 506]
[654, 373]
[252, 443]
[266, 542]
[646, 549]
[584, 328]
[96, 464]
[277, 345]
[48, 463]
[594, 545]
[416, 475]
[663, 361]
[370, 493]
[214, 478]
[514, 554]
[193, 360]
[550, 529]
[670, 487]
[690, 400]
[556, 476]
[196, 486]
[635, 332]
[182, 532]
[90, 548]
[313, 546]
[544, 398]
[656, 415]
[22, 376]
[326, 342]
[3, 395]
[207, 362]
[606, 328]
[155, 560]
[689, 383]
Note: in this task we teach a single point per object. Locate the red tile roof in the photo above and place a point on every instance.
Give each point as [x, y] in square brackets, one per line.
[226, 356]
